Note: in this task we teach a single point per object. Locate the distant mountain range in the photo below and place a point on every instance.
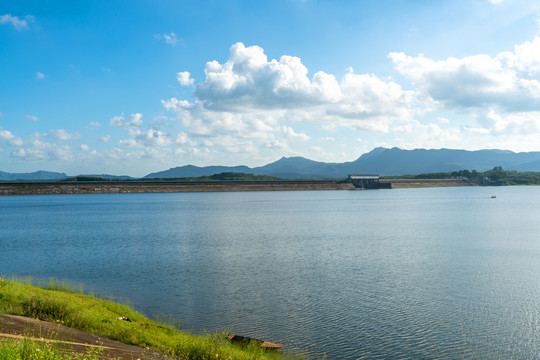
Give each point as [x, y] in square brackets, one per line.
[381, 161]
[36, 175]
[50, 175]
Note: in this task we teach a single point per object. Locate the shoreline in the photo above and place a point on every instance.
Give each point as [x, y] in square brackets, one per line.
[58, 319]
[116, 187]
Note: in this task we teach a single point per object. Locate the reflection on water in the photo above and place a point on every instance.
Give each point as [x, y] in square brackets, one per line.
[413, 273]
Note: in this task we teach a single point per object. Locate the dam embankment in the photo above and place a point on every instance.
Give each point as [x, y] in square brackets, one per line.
[112, 187]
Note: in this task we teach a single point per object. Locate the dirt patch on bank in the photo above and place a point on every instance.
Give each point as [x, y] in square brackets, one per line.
[74, 341]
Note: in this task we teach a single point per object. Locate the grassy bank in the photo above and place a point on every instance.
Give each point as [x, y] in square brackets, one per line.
[33, 350]
[87, 313]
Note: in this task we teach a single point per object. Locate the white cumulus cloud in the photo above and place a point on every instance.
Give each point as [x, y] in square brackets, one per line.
[509, 80]
[120, 121]
[184, 78]
[156, 136]
[9, 137]
[369, 97]
[41, 150]
[63, 135]
[148, 138]
[290, 134]
[251, 102]
[249, 81]
[183, 139]
[508, 124]
[251, 98]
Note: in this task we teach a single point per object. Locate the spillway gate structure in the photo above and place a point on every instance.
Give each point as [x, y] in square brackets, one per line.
[367, 181]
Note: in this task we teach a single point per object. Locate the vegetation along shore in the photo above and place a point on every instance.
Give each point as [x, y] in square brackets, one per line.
[58, 322]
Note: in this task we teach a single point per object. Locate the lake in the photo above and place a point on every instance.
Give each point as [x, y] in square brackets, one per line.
[405, 273]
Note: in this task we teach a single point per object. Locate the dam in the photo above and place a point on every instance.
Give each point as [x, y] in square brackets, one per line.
[368, 181]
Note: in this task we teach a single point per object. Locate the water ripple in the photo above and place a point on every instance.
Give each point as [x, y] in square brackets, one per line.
[427, 274]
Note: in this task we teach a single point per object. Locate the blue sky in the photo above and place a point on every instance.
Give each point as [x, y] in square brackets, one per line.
[132, 87]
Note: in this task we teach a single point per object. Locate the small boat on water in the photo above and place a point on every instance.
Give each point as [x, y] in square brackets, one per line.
[493, 196]
[238, 339]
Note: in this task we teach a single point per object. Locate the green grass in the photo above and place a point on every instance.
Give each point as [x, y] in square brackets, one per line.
[33, 350]
[64, 303]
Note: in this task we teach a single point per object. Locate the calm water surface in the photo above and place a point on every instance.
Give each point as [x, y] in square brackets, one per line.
[414, 273]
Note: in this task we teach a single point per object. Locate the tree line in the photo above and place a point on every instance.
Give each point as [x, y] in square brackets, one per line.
[495, 176]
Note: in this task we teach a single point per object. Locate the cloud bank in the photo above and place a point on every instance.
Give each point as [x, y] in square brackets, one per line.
[253, 102]
[252, 99]
[502, 92]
